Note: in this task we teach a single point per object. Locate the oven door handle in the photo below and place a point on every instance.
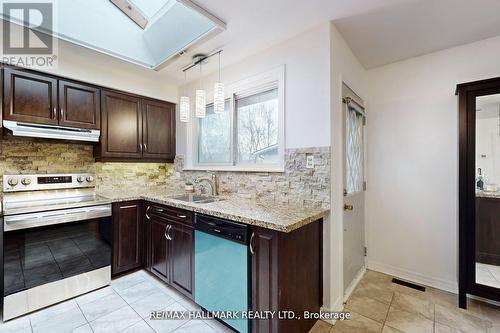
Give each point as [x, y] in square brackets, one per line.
[32, 220]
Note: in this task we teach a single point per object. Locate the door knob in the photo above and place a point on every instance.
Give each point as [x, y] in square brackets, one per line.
[348, 207]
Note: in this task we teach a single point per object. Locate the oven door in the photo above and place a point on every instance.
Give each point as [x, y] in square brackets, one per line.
[36, 258]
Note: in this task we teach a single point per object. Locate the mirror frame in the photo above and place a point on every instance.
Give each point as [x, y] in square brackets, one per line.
[467, 93]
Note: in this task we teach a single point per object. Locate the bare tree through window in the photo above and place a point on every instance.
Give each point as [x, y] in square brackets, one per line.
[258, 127]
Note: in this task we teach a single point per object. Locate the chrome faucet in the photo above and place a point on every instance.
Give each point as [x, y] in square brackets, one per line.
[212, 181]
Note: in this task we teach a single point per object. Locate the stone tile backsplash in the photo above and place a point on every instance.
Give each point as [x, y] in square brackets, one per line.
[297, 185]
[19, 155]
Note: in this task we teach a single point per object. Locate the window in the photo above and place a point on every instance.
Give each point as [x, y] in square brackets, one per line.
[249, 135]
[214, 137]
[257, 128]
[354, 151]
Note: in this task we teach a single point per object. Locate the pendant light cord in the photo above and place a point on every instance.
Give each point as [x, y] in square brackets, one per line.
[219, 66]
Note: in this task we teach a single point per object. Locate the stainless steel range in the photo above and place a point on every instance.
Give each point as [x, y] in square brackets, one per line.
[57, 239]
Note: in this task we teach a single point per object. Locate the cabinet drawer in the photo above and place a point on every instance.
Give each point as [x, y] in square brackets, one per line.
[171, 213]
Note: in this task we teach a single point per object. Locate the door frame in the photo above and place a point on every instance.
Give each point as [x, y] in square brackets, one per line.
[467, 93]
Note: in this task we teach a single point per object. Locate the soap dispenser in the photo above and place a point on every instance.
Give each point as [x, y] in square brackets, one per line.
[480, 182]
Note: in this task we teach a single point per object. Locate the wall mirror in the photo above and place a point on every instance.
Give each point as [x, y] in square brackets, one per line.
[487, 190]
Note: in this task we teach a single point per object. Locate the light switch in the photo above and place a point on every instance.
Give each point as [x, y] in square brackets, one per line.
[309, 161]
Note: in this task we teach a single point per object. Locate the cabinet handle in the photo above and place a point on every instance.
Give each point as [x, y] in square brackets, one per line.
[250, 244]
[165, 233]
[169, 232]
[181, 216]
[140, 147]
[62, 113]
[147, 210]
[159, 210]
[54, 113]
[145, 147]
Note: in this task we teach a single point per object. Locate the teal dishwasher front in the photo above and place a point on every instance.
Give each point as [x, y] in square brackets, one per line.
[222, 268]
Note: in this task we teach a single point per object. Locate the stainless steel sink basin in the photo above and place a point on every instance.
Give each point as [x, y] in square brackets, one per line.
[196, 198]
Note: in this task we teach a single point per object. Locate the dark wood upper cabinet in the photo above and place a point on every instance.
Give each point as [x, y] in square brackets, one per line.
[136, 129]
[182, 258]
[29, 97]
[158, 129]
[128, 236]
[79, 105]
[121, 134]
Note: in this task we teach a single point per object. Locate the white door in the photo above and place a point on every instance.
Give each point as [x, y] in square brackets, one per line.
[354, 190]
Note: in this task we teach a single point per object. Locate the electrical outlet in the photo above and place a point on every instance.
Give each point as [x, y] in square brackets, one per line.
[309, 161]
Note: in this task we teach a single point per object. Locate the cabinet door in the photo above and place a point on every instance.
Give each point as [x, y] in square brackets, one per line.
[29, 97]
[121, 135]
[79, 105]
[158, 129]
[182, 258]
[127, 235]
[159, 249]
[264, 277]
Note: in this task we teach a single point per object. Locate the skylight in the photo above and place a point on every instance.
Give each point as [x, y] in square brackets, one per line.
[168, 27]
[150, 7]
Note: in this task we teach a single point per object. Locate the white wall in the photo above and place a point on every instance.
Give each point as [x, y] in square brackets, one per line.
[412, 210]
[345, 68]
[83, 64]
[86, 65]
[306, 63]
[488, 144]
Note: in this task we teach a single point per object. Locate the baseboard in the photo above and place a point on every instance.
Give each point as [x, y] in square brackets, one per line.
[485, 300]
[438, 283]
[354, 283]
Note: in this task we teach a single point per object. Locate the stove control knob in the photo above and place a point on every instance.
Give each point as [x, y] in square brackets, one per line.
[90, 179]
[79, 179]
[13, 181]
[26, 181]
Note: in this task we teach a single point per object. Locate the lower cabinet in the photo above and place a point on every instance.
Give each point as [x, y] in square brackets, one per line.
[286, 268]
[159, 249]
[286, 275]
[127, 236]
[182, 258]
[487, 230]
[171, 247]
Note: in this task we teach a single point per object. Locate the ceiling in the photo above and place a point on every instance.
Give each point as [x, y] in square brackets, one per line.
[418, 27]
[488, 106]
[253, 26]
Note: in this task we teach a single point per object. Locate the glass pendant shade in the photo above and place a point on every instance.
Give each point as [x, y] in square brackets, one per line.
[184, 107]
[201, 103]
[218, 97]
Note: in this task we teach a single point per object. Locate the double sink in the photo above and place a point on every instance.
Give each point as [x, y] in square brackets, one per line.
[199, 199]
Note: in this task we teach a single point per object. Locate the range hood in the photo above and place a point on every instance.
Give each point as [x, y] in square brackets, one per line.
[51, 131]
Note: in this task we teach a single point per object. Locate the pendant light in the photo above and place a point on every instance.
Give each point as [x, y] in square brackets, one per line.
[201, 100]
[219, 94]
[184, 105]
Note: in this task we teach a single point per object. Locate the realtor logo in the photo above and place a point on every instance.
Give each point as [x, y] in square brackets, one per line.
[27, 34]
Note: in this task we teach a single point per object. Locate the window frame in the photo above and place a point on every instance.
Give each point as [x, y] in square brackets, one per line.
[256, 84]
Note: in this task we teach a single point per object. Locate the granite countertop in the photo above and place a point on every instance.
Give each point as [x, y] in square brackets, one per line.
[485, 194]
[270, 215]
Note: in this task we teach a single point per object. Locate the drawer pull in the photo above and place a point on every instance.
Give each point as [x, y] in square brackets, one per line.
[250, 245]
[182, 216]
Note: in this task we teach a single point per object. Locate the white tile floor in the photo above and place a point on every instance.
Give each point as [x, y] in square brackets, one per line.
[488, 275]
[124, 306]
